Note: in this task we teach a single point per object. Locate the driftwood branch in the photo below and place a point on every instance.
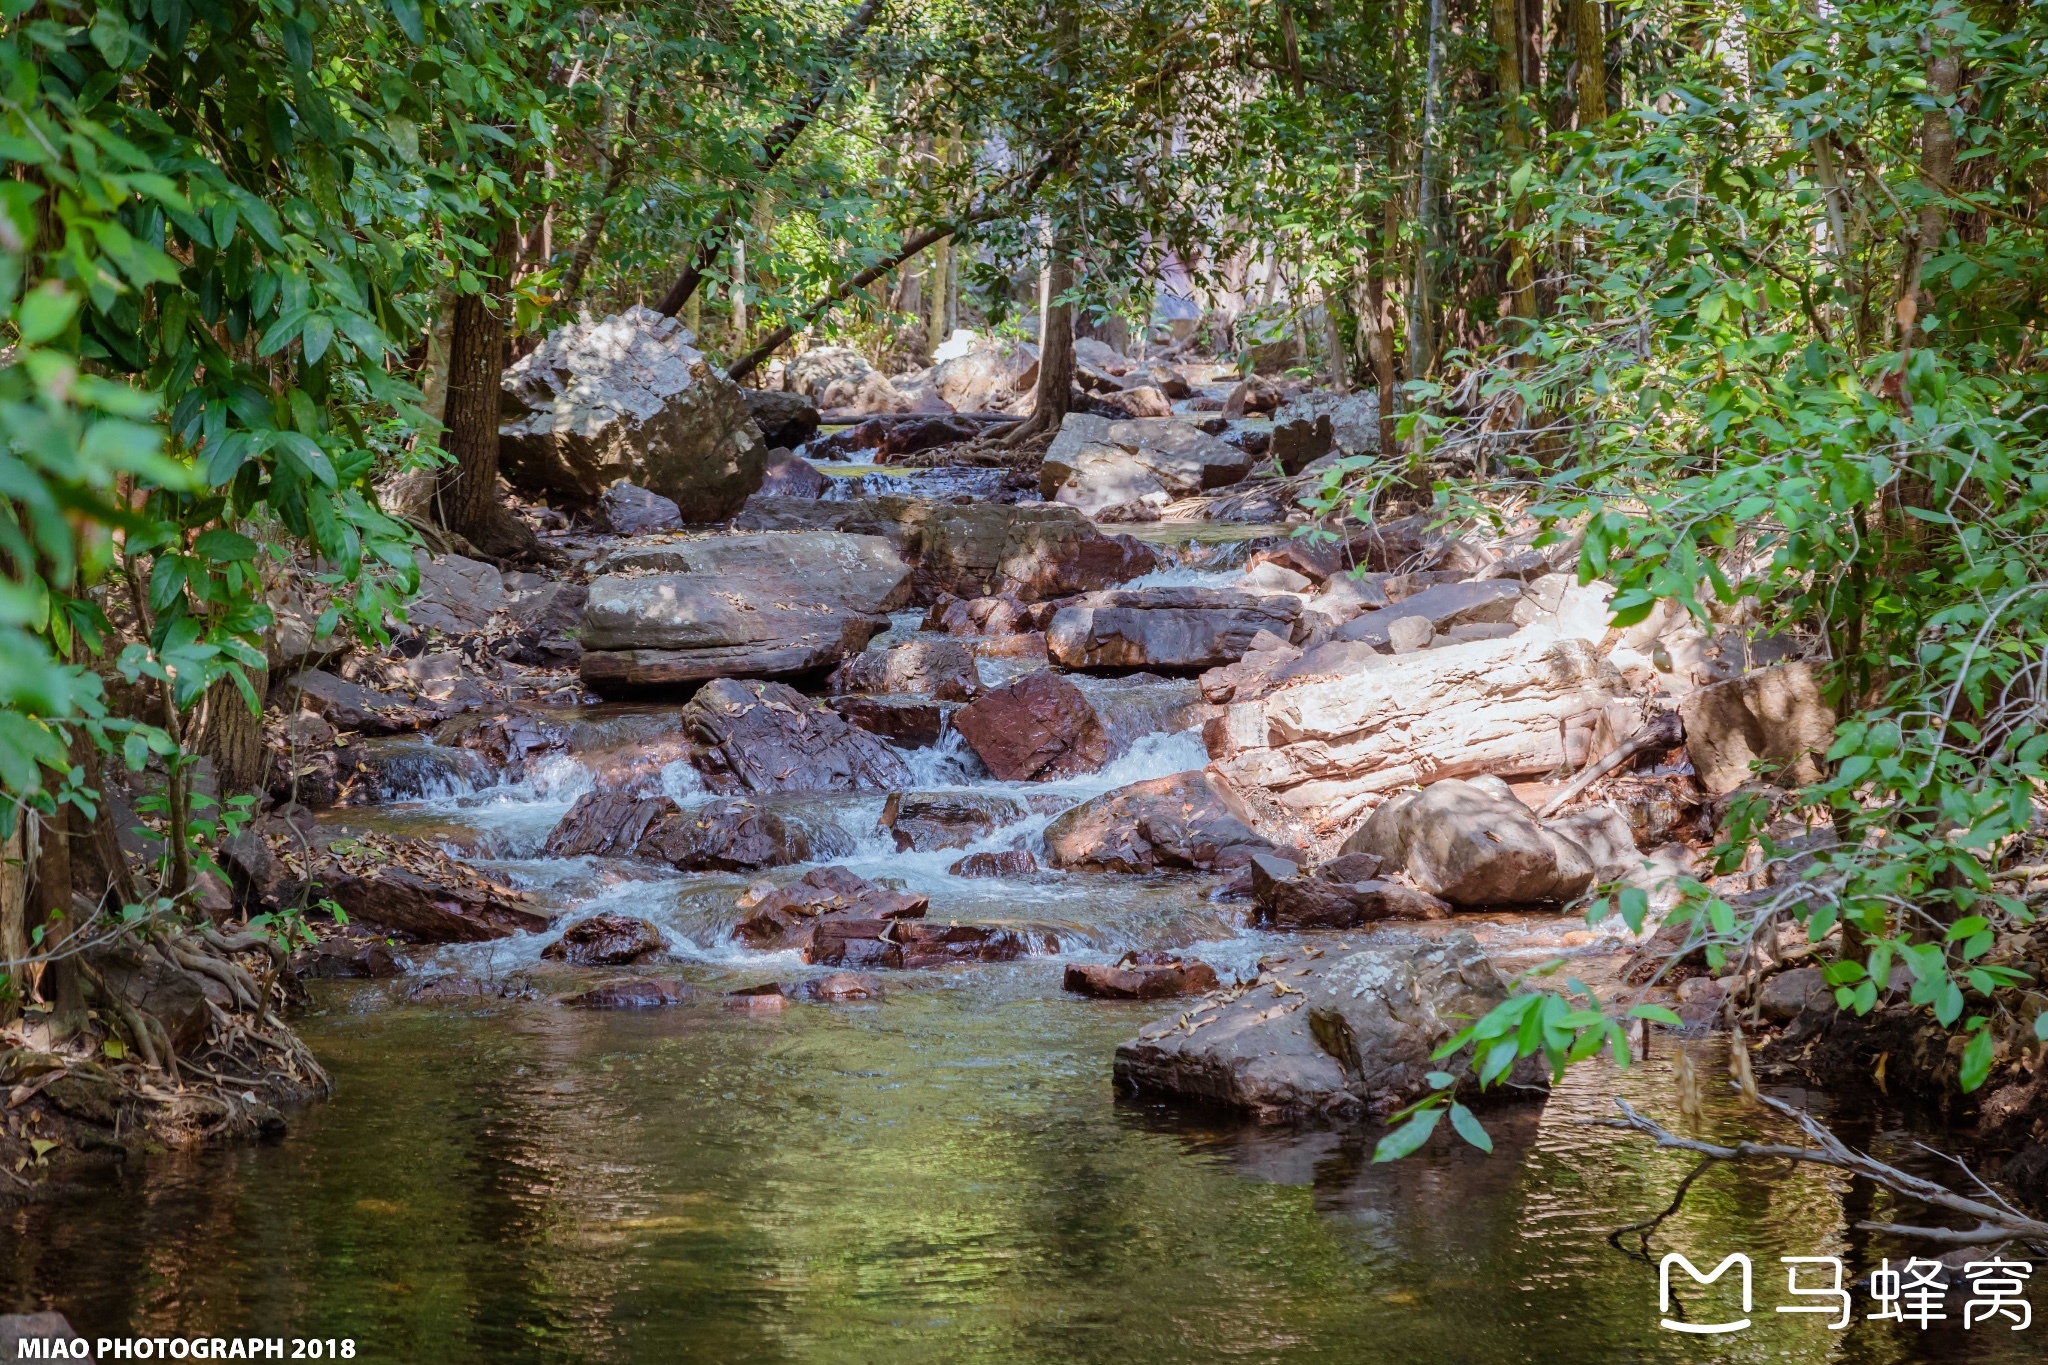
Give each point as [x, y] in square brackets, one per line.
[1998, 1222]
[1660, 731]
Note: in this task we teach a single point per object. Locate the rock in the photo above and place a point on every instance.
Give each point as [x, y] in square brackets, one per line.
[783, 419]
[987, 615]
[1783, 996]
[349, 958]
[1008, 863]
[1520, 706]
[645, 994]
[630, 510]
[1339, 899]
[1354, 418]
[921, 943]
[253, 870]
[738, 606]
[1189, 820]
[831, 377]
[1475, 846]
[1140, 400]
[1605, 834]
[426, 911]
[1268, 576]
[929, 820]
[1099, 354]
[1154, 982]
[627, 397]
[1251, 676]
[606, 941]
[719, 836]
[1096, 463]
[1343, 1035]
[940, 669]
[991, 375]
[1039, 728]
[1774, 717]
[906, 722]
[1033, 552]
[1297, 444]
[787, 475]
[346, 705]
[928, 433]
[1406, 634]
[456, 596]
[783, 917]
[841, 987]
[765, 737]
[1166, 628]
[1491, 601]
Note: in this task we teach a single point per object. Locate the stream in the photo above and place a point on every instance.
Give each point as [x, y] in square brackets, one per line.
[942, 1174]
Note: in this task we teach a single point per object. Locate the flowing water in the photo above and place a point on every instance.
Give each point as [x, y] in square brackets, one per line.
[942, 1174]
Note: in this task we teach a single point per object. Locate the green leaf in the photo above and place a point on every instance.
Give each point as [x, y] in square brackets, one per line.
[1977, 1055]
[1408, 1136]
[45, 311]
[1468, 1127]
[407, 13]
[223, 546]
[1661, 1014]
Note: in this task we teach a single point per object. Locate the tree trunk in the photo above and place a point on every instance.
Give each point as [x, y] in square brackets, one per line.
[1518, 284]
[1589, 42]
[1421, 332]
[468, 496]
[1937, 168]
[1381, 309]
[1333, 338]
[19, 977]
[1052, 399]
[232, 736]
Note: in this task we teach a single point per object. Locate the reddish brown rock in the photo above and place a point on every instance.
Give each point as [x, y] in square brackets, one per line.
[606, 941]
[839, 987]
[627, 995]
[929, 820]
[922, 943]
[783, 917]
[1135, 982]
[767, 737]
[1334, 898]
[1039, 728]
[1008, 863]
[906, 722]
[976, 616]
[720, 836]
[434, 912]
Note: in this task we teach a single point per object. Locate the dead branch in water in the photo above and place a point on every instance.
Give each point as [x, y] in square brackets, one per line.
[1998, 1221]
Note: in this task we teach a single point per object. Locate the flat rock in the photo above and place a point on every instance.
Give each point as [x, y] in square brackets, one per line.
[630, 510]
[1166, 628]
[1157, 981]
[844, 987]
[627, 397]
[1189, 820]
[784, 917]
[906, 722]
[1347, 1034]
[606, 940]
[922, 821]
[1491, 601]
[647, 994]
[766, 737]
[1096, 462]
[738, 606]
[425, 911]
[1287, 898]
[457, 595]
[719, 836]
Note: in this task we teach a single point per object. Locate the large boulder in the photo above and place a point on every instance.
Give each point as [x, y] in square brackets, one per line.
[606, 940]
[1474, 844]
[1354, 417]
[1519, 706]
[1774, 719]
[991, 374]
[1190, 820]
[832, 377]
[765, 737]
[1097, 463]
[758, 606]
[452, 909]
[457, 595]
[1039, 728]
[1341, 1035]
[1033, 552]
[719, 836]
[627, 397]
[784, 419]
[1166, 628]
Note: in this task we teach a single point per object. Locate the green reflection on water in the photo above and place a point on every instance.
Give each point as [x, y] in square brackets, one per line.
[940, 1176]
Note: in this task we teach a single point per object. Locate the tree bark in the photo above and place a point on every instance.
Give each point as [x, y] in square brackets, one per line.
[468, 497]
[232, 736]
[1053, 397]
[1937, 168]
[1518, 283]
[1589, 41]
[614, 182]
[778, 142]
